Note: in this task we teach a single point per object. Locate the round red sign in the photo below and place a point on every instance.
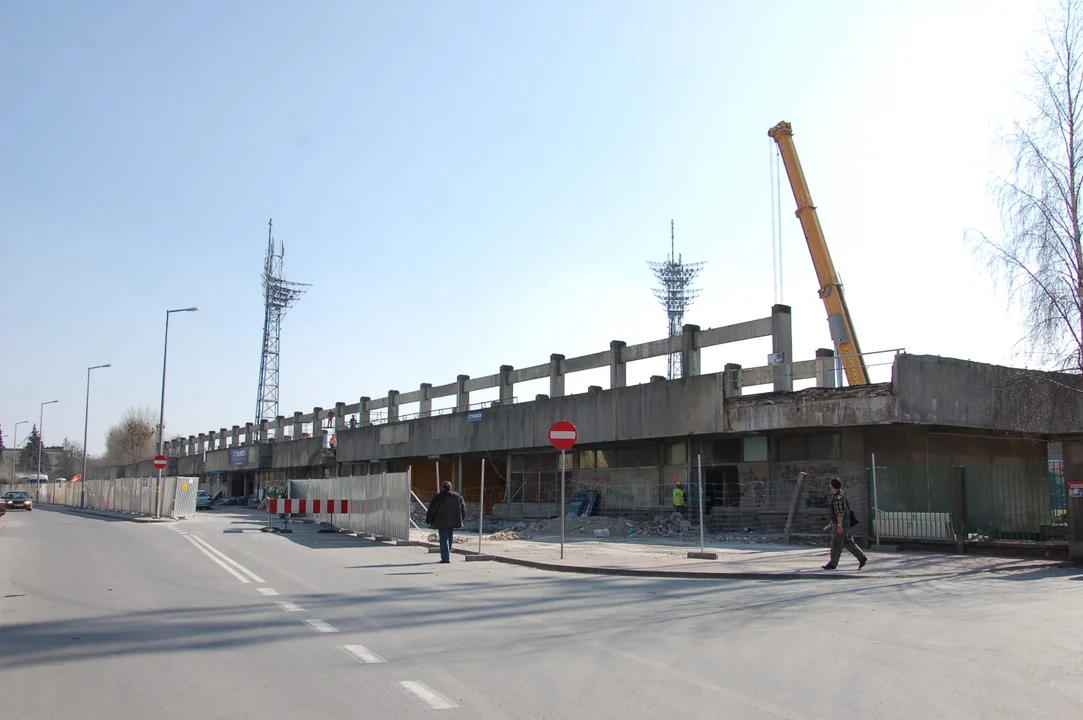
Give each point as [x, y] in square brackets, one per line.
[563, 435]
[160, 462]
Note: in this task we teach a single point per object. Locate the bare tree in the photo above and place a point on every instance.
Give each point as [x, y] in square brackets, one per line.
[1040, 257]
[134, 438]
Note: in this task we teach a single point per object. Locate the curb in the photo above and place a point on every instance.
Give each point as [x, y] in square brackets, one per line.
[632, 572]
[106, 514]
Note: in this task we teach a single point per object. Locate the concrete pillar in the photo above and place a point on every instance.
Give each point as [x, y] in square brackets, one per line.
[958, 507]
[264, 431]
[540, 398]
[340, 417]
[618, 369]
[424, 403]
[556, 375]
[202, 443]
[732, 381]
[223, 438]
[317, 431]
[235, 436]
[462, 397]
[298, 426]
[825, 368]
[280, 428]
[1073, 482]
[507, 389]
[689, 351]
[249, 434]
[392, 406]
[658, 378]
[191, 449]
[365, 411]
[781, 348]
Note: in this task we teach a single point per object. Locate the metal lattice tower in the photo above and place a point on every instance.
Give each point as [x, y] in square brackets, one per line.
[279, 295]
[676, 294]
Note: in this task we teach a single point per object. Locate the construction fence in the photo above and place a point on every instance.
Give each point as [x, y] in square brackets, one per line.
[378, 504]
[131, 495]
[1004, 503]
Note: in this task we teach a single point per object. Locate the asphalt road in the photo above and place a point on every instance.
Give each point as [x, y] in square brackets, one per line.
[213, 619]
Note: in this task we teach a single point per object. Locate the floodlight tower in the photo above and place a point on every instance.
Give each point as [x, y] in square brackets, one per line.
[279, 295]
[676, 294]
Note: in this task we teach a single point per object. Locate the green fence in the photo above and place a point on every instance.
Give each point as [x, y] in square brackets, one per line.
[1021, 502]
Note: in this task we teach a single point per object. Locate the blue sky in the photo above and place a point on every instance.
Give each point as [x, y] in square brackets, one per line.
[473, 184]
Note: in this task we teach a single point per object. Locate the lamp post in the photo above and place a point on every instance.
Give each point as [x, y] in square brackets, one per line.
[41, 433]
[161, 413]
[15, 446]
[86, 422]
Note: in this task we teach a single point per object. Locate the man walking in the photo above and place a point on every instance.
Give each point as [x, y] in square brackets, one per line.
[840, 528]
[446, 513]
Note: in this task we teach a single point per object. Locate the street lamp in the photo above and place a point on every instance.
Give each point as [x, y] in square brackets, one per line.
[41, 433]
[161, 413]
[86, 421]
[14, 447]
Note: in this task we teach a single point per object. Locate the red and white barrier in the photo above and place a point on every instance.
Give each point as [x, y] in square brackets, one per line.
[301, 506]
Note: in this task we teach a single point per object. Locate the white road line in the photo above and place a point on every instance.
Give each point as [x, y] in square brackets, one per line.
[361, 654]
[426, 695]
[266, 591]
[320, 626]
[255, 578]
[288, 606]
[228, 569]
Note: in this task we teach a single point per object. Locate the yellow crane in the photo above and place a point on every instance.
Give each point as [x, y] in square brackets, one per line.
[838, 315]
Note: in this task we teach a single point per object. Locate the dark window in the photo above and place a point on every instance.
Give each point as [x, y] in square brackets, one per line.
[727, 451]
[637, 456]
[792, 447]
[825, 446]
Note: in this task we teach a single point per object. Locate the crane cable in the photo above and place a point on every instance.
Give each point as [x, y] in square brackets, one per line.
[776, 218]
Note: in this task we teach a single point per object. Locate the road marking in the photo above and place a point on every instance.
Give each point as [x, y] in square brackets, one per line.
[289, 607]
[361, 654]
[266, 591]
[426, 695]
[228, 569]
[255, 578]
[319, 626]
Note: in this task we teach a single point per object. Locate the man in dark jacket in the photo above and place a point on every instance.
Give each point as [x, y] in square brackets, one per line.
[446, 513]
[840, 528]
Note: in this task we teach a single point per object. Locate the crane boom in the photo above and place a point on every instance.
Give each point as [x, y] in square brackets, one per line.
[838, 315]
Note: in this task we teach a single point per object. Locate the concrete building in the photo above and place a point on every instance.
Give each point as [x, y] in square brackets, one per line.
[766, 456]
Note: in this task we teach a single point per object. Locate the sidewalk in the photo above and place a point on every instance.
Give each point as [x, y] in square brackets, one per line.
[661, 558]
[111, 514]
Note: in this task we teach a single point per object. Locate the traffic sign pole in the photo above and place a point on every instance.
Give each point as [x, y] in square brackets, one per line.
[562, 436]
[562, 513]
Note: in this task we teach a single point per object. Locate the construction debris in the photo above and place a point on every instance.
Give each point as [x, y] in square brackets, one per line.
[673, 525]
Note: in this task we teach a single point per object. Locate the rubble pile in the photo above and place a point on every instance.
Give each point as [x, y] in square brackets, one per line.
[662, 526]
[504, 535]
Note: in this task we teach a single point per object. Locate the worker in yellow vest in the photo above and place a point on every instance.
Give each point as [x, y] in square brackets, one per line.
[678, 498]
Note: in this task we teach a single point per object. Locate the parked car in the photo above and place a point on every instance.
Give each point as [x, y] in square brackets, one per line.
[203, 500]
[18, 500]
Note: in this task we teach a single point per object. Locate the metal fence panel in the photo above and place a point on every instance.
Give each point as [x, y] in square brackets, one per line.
[379, 504]
[184, 502]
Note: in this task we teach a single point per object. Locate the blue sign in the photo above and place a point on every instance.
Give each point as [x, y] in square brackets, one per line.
[238, 457]
[475, 416]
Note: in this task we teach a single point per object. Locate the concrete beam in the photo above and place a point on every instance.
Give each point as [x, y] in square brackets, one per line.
[825, 368]
[556, 375]
[618, 370]
[689, 351]
[482, 383]
[732, 385]
[440, 391]
[735, 333]
[507, 386]
[424, 402]
[586, 362]
[535, 372]
[782, 348]
[462, 395]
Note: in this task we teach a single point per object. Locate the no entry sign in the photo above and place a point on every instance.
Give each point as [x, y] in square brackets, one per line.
[160, 462]
[563, 435]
